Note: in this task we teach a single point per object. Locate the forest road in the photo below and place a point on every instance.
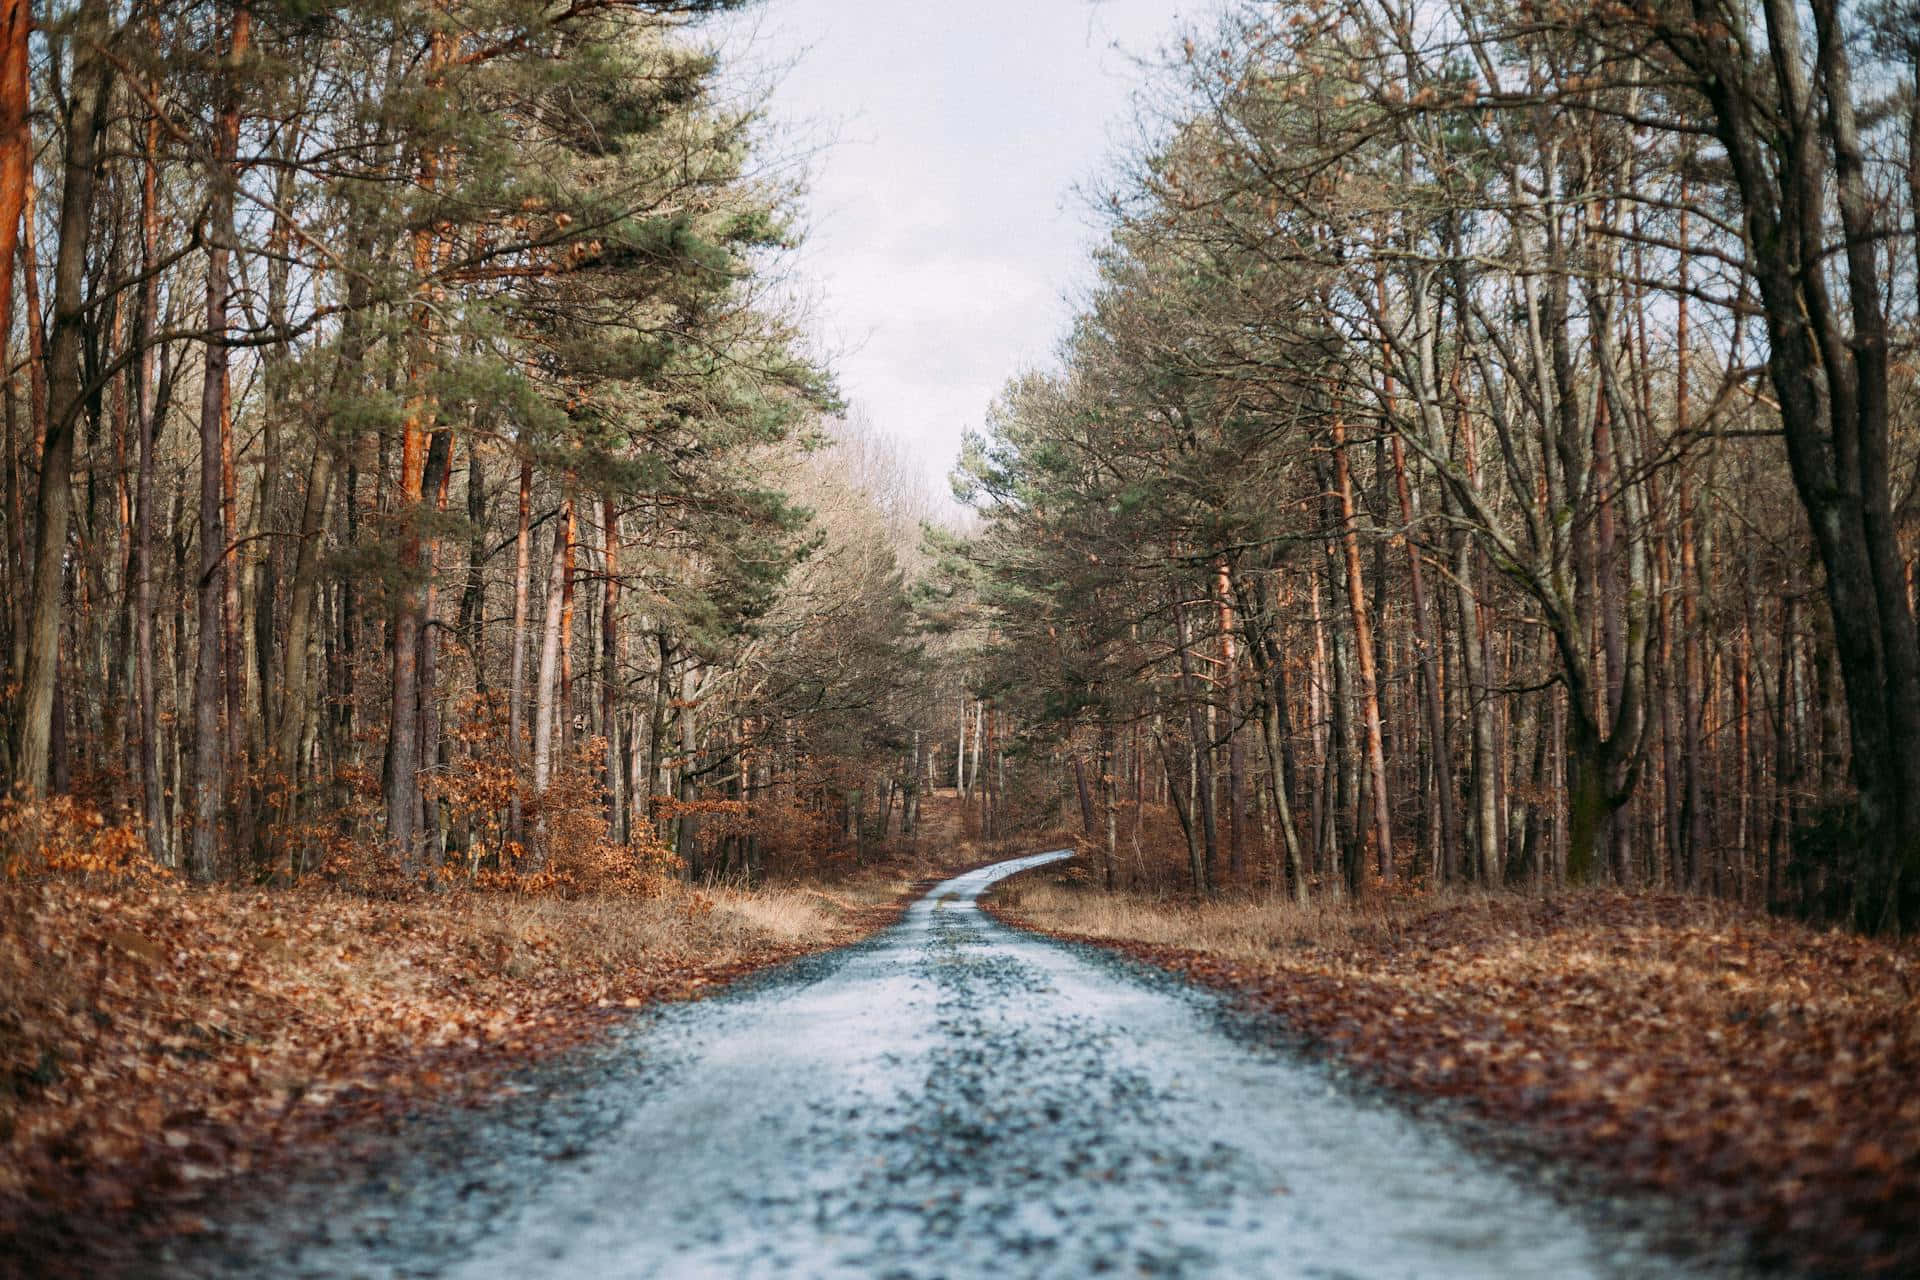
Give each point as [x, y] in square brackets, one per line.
[952, 1098]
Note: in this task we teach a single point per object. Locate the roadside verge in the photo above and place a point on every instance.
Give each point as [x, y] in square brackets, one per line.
[158, 1043]
[1759, 1071]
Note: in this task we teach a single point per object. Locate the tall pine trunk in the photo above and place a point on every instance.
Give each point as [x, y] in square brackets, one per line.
[211, 763]
[547, 682]
[409, 614]
[517, 659]
[610, 657]
[147, 409]
[1376, 756]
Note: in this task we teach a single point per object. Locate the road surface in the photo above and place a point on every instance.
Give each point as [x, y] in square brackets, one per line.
[952, 1098]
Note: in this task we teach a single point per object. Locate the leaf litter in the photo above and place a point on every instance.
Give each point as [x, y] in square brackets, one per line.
[158, 1042]
[1760, 1071]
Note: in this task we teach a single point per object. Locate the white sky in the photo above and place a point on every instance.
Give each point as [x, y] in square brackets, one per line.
[947, 235]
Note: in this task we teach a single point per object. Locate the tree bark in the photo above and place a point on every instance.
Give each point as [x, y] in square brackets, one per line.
[610, 656]
[517, 659]
[86, 122]
[147, 408]
[294, 713]
[409, 615]
[1202, 756]
[16, 155]
[1433, 694]
[1263, 651]
[1107, 802]
[564, 712]
[547, 683]
[1081, 791]
[1363, 648]
[687, 833]
[438, 478]
[1833, 390]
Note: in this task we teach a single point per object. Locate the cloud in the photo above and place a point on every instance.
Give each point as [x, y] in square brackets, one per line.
[946, 232]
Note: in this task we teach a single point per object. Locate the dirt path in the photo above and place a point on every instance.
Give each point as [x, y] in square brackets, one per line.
[951, 1098]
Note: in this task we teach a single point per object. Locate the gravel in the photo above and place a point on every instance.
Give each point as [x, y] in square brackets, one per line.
[951, 1098]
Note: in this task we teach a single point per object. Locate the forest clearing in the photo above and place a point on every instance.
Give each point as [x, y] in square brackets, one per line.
[1432, 525]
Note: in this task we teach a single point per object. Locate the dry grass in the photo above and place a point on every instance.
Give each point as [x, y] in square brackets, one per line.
[718, 927]
[1248, 930]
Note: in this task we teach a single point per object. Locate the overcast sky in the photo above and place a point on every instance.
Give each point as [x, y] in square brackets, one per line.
[946, 232]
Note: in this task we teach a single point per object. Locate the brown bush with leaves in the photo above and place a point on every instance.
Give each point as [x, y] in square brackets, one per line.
[64, 836]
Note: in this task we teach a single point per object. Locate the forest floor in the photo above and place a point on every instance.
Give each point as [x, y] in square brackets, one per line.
[1761, 1071]
[158, 1042]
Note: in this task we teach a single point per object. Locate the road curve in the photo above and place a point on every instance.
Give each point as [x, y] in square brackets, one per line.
[953, 1098]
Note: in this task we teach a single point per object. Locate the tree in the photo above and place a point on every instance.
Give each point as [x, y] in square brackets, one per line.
[1787, 116]
[83, 124]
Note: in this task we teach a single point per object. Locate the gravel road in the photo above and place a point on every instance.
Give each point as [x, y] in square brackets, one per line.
[952, 1098]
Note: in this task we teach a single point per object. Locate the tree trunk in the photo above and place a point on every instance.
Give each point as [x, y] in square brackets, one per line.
[439, 474]
[1433, 694]
[473, 595]
[1263, 651]
[1363, 649]
[1483, 856]
[687, 835]
[291, 720]
[1236, 760]
[1202, 755]
[1179, 795]
[409, 615]
[16, 171]
[409, 620]
[517, 660]
[211, 762]
[610, 656]
[979, 730]
[657, 721]
[565, 709]
[547, 683]
[1085, 796]
[294, 713]
[1834, 395]
[86, 123]
[147, 408]
[1107, 801]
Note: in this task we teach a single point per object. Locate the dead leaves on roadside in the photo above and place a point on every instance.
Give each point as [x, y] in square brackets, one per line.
[1763, 1071]
[156, 1041]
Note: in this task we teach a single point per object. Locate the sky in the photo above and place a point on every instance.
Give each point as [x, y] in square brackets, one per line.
[946, 235]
